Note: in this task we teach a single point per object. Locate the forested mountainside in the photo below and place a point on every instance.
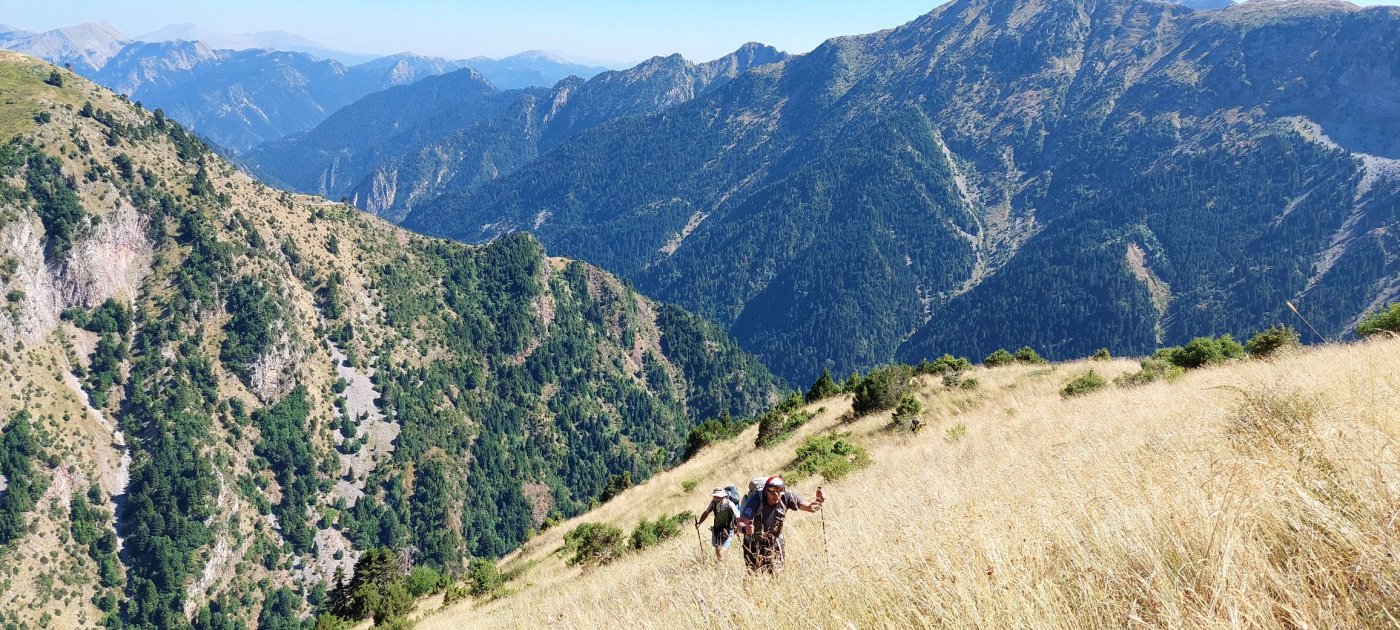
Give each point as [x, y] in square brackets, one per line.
[1065, 174]
[220, 395]
[393, 150]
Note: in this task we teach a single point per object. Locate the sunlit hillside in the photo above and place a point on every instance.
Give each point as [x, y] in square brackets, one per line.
[1258, 494]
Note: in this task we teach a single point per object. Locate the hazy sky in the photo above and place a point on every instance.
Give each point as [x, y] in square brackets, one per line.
[620, 30]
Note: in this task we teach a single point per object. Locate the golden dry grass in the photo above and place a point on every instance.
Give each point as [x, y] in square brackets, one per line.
[1261, 494]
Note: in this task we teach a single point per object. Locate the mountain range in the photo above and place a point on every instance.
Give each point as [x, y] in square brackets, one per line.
[998, 173]
[399, 147]
[241, 98]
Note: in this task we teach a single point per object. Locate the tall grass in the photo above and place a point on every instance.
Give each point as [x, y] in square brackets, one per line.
[1257, 494]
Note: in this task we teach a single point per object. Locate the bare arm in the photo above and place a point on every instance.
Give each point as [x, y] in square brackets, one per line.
[706, 514]
[813, 506]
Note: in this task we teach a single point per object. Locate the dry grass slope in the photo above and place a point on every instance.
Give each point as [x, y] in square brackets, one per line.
[1260, 494]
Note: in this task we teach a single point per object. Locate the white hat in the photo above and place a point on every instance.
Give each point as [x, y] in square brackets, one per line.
[719, 493]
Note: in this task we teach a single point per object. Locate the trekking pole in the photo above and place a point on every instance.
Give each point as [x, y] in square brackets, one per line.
[1293, 308]
[698, 539]
[826, 545]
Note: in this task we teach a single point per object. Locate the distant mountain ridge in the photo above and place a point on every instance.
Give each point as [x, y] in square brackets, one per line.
[84, 46]
[276, 84]
[399, 147]
[997, 173]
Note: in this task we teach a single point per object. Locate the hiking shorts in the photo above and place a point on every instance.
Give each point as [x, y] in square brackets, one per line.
[721, 537]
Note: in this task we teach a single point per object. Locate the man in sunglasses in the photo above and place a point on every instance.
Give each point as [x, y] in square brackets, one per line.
[762, 523]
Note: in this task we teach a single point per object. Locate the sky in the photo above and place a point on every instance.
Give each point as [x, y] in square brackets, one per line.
[612, 30]
[616, 30]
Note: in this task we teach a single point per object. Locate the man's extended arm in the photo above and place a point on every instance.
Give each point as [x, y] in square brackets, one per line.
[814, 506]
[706, 514]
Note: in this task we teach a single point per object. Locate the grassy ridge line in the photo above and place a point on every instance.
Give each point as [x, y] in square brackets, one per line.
[1256, 494]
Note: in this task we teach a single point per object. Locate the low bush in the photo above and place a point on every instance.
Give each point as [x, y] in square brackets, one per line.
[946, 364]
[776, 426]
[1102, 354]
[483, 578]
[1273, 341]
[711, 431]
[831, 456]
[999, 358]
[909, 408]
[1202, 351]
[881, 389]
[423, 580]
[593, 544]
[1029, 356]
[1383, 321]
[1087, 382]
[1152, 370]
[650, 533]
[824, 387]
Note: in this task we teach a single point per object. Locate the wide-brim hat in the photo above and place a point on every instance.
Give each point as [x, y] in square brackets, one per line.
[719, 493]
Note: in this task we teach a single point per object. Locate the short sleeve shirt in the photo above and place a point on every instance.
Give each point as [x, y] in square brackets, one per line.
[768, 519]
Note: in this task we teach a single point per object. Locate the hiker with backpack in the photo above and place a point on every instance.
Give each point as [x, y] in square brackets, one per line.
[724, 505]
[762, 522]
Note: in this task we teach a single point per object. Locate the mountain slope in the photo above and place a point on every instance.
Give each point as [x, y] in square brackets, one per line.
[479, 137]
[230, 392]
[1071, 175]
[1016, 508]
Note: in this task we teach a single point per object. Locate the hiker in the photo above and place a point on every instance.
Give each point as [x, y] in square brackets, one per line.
[762, 523]
[726, 521]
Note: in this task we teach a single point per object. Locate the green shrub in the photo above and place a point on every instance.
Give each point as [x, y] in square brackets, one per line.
[593, 544]
[1152, 370]
[970, 383]
[483, 578]
[999, 358]
[1028, 356]
[831, 456]
[423, 581]
[824, 387]
[617, 484]
[454, 593]
[1088, 382]
[955, 433]
[650, 533]
[881, 389]
[909, 408]
[1203, 351]
[1102, 354]
[689, 485]
[1277, 339]
[946, 364]
[711, 431]
[776, 427]
[1385, 320]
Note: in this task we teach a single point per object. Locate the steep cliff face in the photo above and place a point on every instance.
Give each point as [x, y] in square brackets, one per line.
[230, 392]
